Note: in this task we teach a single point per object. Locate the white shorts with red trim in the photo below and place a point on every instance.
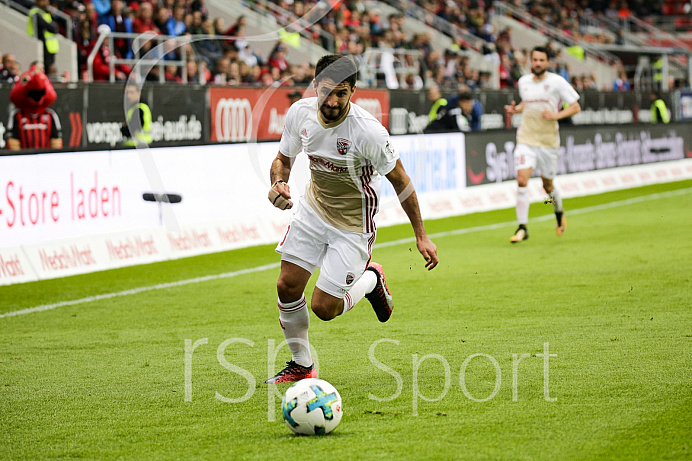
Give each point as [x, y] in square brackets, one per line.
[342, 256]
[541, 158]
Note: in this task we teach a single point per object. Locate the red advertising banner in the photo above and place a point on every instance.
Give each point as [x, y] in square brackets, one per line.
[257, 114]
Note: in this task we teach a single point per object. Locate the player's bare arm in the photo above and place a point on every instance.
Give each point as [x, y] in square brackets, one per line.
[280, 193]
[409, 202]
[514, 108]
[568, 111]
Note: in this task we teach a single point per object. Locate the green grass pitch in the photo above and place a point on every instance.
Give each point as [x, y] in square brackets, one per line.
[461, 365]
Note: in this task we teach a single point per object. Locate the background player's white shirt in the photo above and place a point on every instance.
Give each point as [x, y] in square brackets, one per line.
[346, 160]
[538, 96]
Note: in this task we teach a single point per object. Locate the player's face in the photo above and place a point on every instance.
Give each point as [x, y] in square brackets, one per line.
[539, 63]
[333, 98]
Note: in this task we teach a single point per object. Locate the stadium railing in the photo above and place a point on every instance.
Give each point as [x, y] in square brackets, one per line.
[553, 32]
[446, 27]
[371, 65]
[301, 25]
[163, 45]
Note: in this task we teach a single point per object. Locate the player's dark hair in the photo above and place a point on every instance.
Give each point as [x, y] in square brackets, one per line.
[465, 96]
[338, 68]
[541, 49]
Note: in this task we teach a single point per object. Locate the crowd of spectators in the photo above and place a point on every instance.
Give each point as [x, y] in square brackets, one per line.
[346, 27]
[228, 60]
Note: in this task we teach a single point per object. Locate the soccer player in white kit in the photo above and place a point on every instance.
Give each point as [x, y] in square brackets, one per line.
[542, 94]
[334, 226]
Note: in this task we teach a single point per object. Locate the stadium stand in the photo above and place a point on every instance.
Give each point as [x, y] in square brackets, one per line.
[475, 29]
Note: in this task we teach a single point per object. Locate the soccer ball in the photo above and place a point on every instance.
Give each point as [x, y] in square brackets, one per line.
[312, 407]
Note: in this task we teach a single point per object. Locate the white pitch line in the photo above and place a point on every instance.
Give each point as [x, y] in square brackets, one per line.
[468, 230]
[134, 291]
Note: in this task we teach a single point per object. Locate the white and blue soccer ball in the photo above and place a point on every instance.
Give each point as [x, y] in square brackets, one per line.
[312, 407]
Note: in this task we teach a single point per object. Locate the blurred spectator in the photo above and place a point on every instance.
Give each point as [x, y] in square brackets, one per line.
[490, 53]
[659, 110]
[118, 22]
[277, 58]
[518, 64]
[136, 130]
[198, 5]
[219, 26]
[171, 74]
[620, 37]
[471, 109]
[247, 54]
[40, 25]
[235, 30]
[52, 74]
[208, 49]
[234, 77]
[102, 59]
[175, 25]
[84, 36]
[9, 71]
[456, 115]
[102, 7]
[221, 71]
[266, 78]
[196, 24]
[161, 17]
[621, 83]
[197, 72]
[144, 21]
[506, 80]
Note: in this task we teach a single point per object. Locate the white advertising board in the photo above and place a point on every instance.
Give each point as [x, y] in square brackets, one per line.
[70, 213]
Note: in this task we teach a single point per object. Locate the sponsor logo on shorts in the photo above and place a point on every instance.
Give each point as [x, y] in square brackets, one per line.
[343, 145]
[349, 278]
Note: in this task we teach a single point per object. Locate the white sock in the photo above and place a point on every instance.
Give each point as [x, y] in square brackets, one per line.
[523, 205]
[557, 199]
[365, 284]
[295, 320]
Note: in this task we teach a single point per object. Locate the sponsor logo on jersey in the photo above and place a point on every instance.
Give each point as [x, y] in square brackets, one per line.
[304, 133]
[343, 145]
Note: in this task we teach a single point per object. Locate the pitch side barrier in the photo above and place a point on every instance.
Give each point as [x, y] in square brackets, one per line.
[91, 115]
[71, 213]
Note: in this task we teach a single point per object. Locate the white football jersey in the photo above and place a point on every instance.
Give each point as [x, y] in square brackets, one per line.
[538, 96]
[347, 158]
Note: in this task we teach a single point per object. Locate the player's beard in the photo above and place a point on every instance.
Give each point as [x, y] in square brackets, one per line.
[331, 114]
[538, 72]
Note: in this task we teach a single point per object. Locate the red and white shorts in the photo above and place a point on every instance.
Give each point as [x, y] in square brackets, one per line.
[310, 242]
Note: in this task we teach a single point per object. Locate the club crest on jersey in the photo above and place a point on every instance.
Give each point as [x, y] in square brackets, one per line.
[349, 278]
[342, 145]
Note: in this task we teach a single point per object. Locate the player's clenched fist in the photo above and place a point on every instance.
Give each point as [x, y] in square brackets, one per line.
[279, 195]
